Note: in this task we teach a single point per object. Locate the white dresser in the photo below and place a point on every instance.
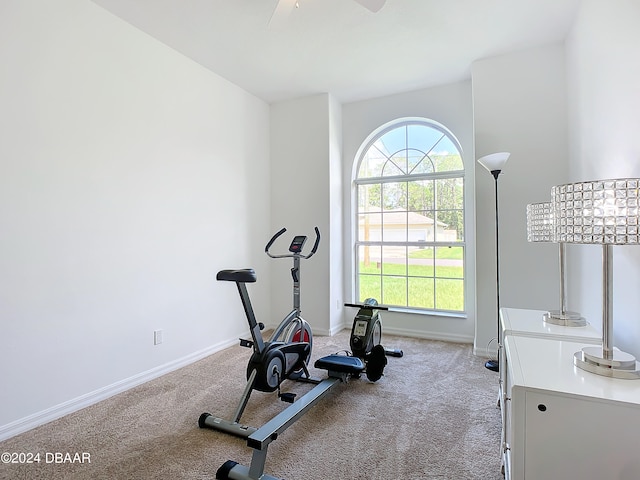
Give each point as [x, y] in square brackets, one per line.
[529, 323]
[561, 422]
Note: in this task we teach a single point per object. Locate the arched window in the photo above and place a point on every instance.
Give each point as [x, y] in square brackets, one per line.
[410, 247]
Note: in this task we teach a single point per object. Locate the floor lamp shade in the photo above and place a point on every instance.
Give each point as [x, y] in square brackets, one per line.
[540, 223]
[601, 212]
[494, 162]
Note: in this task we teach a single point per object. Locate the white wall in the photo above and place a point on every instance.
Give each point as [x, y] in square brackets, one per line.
[304, 156]
[451, 106]
[519, 103]
[603, 58]
[129, 176]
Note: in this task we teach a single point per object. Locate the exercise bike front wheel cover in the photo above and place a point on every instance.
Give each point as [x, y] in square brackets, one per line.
[270, 371]
[299, 331]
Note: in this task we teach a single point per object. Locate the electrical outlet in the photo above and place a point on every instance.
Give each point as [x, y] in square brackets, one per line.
[157, 337]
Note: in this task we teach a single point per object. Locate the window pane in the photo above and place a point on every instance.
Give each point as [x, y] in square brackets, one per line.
[372, 162]
[449, 203]
[393, 168]
[449, 295]
[394, 140]
[394, 260]
[449, 262]
[449, 193]
[451, 223]
[370, 227]
[419, 162]
[395, 290]
[394, 196]
[420, 226]
[369, 259]
[399, 160]
[421, 261]
[421, 293]
[446, 156]
[423, 137]
[370, 287]
[369, 199]
[395, 226]
[369, 269]
[421, 195]
[424, 166]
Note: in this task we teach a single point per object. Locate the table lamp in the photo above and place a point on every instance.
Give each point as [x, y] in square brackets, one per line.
[603, 212]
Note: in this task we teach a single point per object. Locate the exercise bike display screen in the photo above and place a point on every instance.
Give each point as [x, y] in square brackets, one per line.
[297, 243]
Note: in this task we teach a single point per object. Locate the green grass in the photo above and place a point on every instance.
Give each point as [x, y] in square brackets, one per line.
[415, 291]
[453, 253]
[414, 270]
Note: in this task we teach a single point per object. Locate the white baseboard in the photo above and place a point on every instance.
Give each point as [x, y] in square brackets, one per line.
[45, 416]
[403, 332]
[445, 337]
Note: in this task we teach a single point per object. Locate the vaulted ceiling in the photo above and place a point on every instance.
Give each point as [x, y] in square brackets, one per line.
[338, 46]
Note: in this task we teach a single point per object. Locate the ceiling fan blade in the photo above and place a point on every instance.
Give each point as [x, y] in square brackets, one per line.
[281, 12]
[373, 5]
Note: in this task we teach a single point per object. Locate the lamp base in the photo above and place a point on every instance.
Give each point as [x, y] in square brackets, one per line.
[564, 319]
[621, 365]
[492, 365]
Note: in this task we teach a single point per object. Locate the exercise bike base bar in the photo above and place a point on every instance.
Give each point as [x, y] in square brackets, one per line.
[261, 438]
[207, 420]
[266, 434]
[339, 369]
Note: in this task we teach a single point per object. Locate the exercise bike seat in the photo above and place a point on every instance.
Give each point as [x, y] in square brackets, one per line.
[340, 364]
[244, 275]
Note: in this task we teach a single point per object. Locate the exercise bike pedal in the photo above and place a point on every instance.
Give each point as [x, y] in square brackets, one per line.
[287, 397]
[246, 343]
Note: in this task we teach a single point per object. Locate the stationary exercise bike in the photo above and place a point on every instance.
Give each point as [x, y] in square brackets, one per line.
[285, 355]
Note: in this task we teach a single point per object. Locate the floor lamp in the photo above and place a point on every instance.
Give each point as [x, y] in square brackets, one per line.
[494, 163]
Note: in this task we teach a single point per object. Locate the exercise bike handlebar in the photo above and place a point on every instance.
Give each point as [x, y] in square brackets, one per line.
[296, 254]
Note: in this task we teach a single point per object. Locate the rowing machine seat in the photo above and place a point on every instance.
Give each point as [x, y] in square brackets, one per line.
[340, 364]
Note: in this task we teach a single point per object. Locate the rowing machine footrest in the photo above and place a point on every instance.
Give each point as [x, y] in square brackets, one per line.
[340, 364]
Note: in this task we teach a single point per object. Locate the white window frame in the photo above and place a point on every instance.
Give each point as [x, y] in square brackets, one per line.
[356, 182]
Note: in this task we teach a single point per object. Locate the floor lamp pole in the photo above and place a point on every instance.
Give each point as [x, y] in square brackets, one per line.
[494, 365]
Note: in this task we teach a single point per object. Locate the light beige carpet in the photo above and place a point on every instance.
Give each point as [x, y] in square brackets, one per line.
[432, 416]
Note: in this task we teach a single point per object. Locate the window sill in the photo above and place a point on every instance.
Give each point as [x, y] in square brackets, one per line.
[430, 313]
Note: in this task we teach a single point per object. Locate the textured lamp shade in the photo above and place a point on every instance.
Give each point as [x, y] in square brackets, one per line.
[539, 222]
[495, 161]
[540, 229]
[600, 212]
